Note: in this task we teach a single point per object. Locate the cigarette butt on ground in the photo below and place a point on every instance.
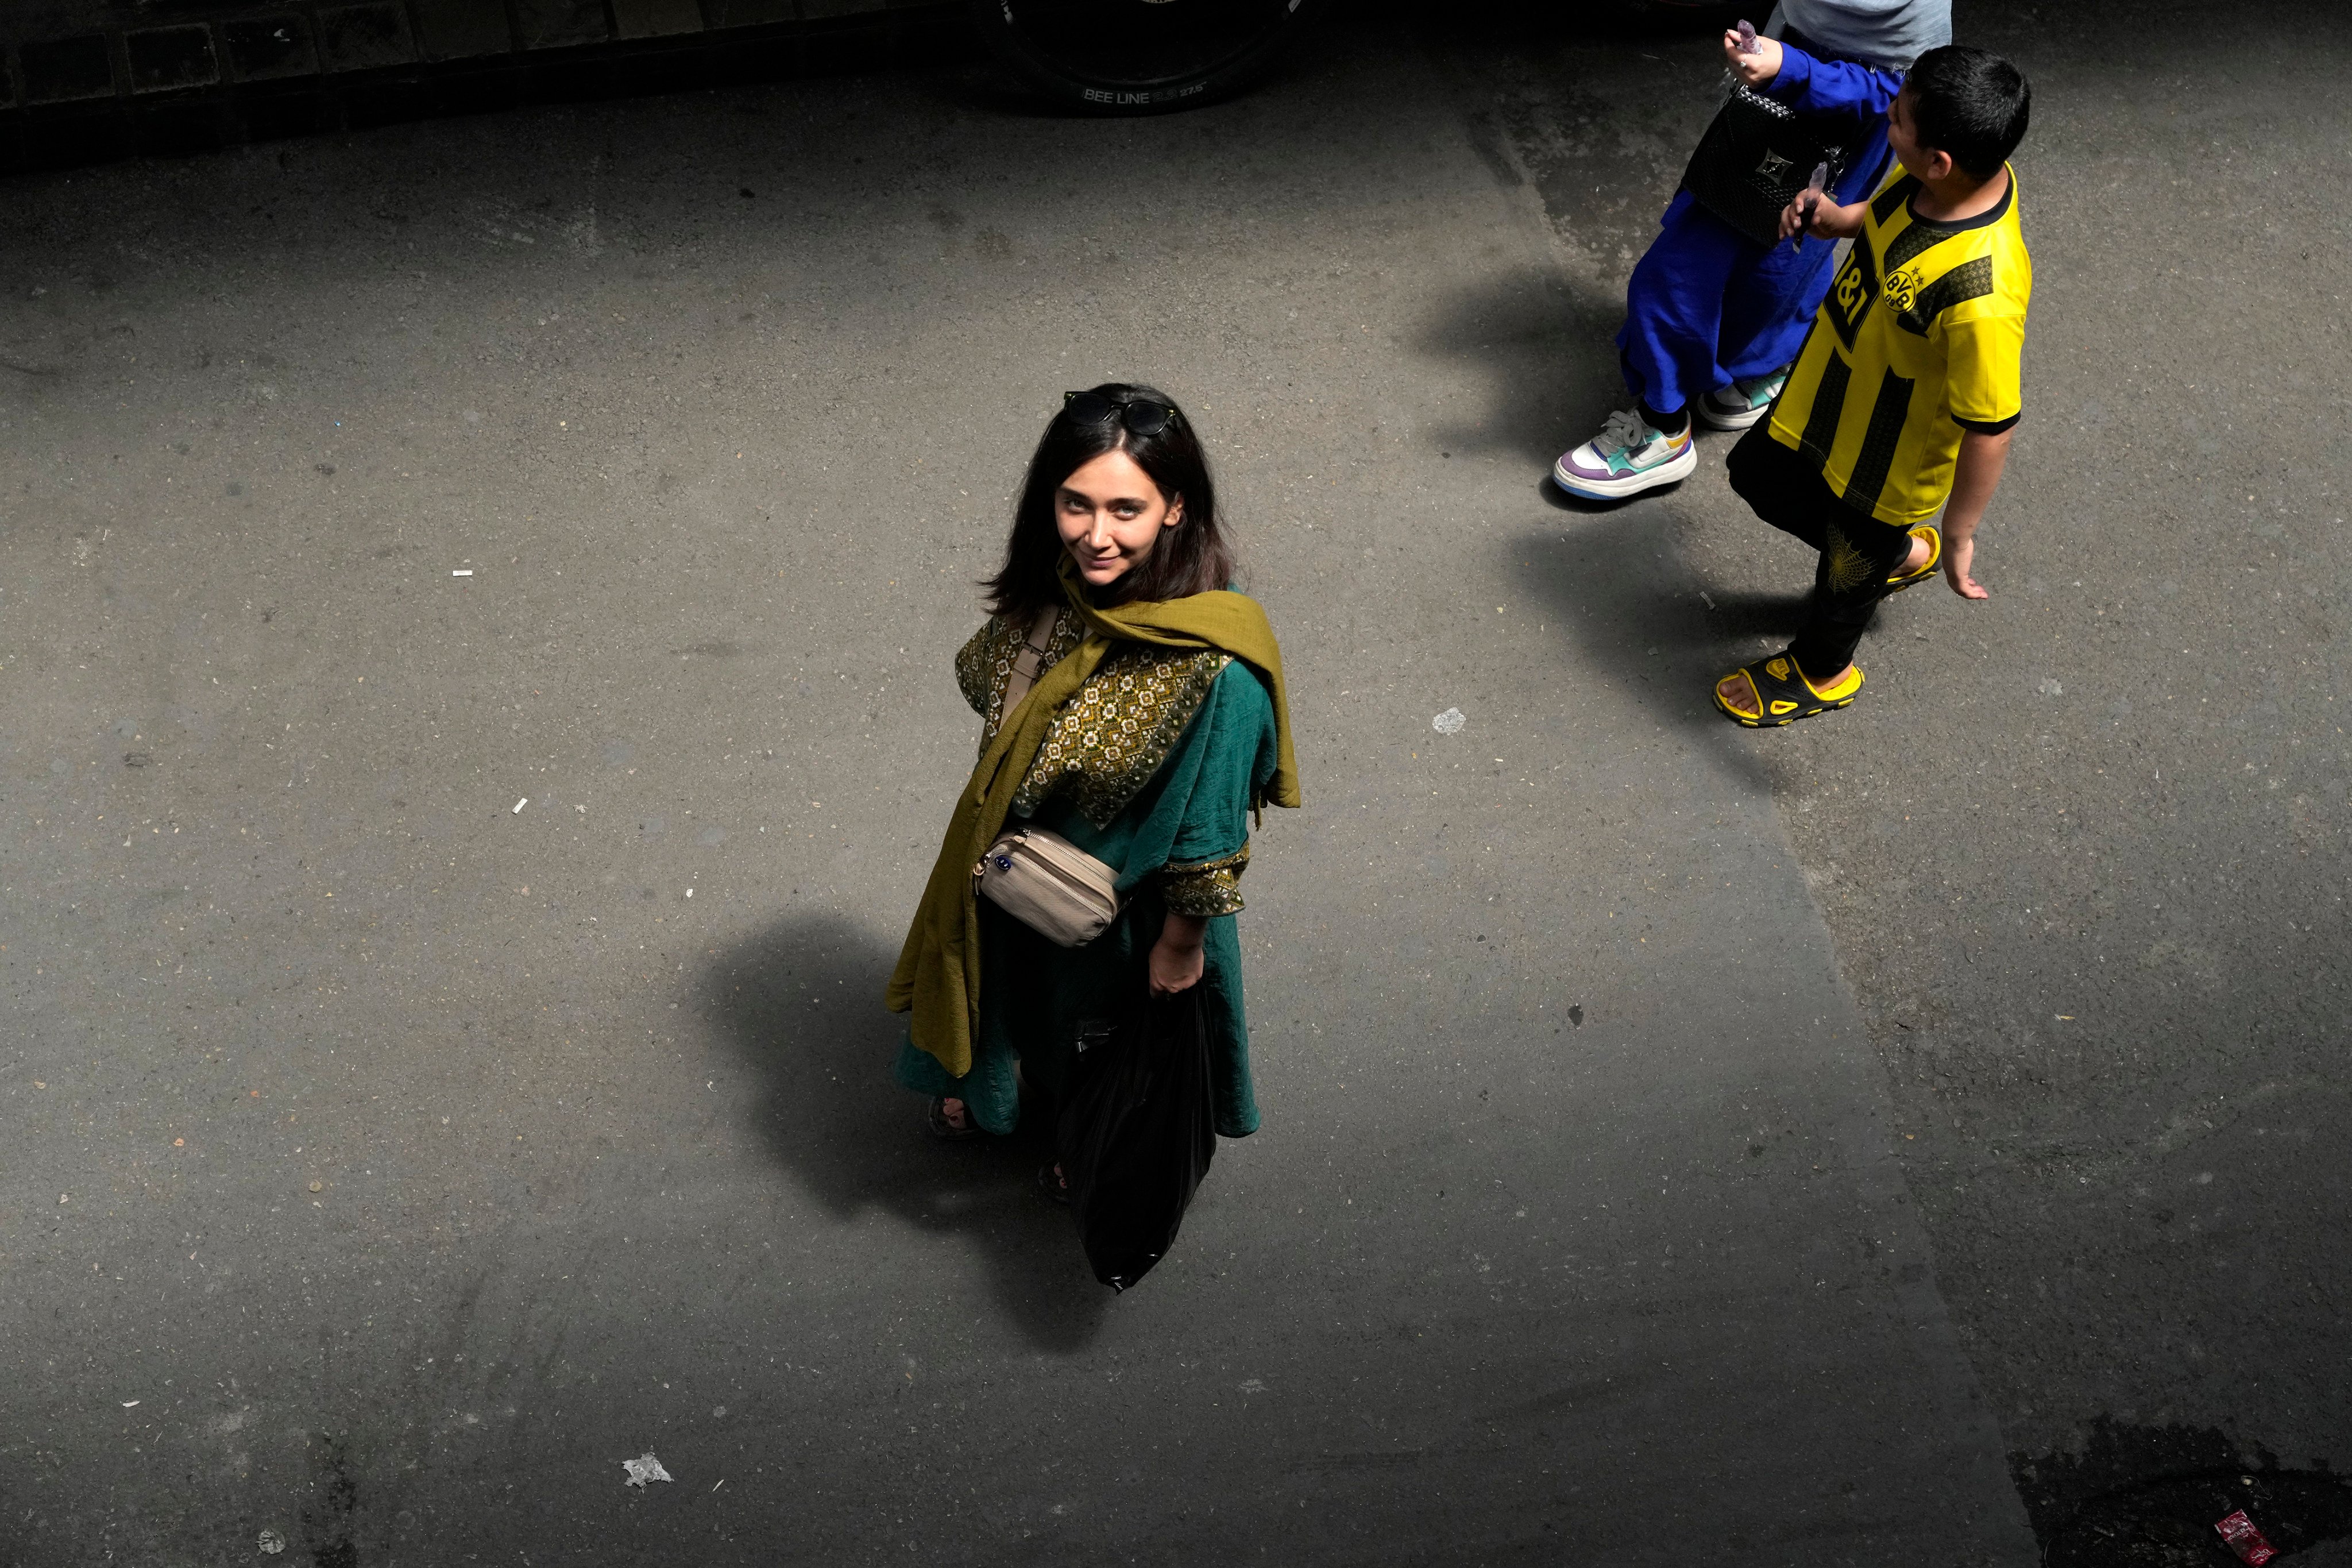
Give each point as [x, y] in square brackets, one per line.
[520, 804]
[464, 572]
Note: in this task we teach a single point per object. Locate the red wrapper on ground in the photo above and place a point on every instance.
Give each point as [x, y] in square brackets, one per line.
[2244, 1540]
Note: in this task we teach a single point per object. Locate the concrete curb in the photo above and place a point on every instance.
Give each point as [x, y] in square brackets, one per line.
[86, 82]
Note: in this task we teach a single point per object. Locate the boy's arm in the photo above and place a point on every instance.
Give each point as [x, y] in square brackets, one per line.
[1816, 87]
[1984, 392]
[1833, 87]
[1974, 478]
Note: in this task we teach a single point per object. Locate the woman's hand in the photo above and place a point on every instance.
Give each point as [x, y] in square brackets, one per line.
[1755, 69]
[1176, 959]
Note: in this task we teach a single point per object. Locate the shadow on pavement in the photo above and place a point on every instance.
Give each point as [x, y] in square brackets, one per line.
[802, 1002]
[1620, 584]
[1548, 347]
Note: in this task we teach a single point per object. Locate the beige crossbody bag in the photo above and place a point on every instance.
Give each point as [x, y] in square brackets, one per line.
[1039, 878]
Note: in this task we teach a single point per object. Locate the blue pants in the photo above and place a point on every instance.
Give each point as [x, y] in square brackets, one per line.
[1707, 306]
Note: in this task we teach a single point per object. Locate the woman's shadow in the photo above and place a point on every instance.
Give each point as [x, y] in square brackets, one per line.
[803, 1002]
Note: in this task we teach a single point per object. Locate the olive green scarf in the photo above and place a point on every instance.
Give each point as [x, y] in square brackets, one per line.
[938, 977]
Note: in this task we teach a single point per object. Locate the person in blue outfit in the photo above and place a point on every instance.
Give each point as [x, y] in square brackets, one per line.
[1714, 318]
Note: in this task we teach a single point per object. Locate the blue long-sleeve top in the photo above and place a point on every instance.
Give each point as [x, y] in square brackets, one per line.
[1812, 85]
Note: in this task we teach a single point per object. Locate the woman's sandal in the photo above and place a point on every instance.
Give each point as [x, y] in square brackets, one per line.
[1902, 580]
[1051, 1183]
[936, 1122]
[1782, 693]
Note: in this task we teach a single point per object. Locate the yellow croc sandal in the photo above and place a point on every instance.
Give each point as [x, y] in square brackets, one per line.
[1778, 693]
[1901, 580]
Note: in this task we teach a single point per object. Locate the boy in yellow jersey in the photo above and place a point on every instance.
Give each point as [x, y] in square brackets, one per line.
[1904, 395]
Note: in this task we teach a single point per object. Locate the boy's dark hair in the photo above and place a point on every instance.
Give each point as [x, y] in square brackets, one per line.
[1190, 558]
[1969, 104]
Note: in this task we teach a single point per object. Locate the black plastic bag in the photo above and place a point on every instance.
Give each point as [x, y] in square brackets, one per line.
[1137, 1133]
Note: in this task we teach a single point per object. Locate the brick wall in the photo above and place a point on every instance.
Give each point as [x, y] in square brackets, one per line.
[83, 80]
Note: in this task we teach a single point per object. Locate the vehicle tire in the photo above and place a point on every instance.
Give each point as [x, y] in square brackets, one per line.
[1141, 57]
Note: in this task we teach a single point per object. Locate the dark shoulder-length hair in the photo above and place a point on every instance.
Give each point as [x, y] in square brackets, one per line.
[1190, 558]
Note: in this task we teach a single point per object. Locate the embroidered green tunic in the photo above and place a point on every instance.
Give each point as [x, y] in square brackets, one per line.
[1151, 767]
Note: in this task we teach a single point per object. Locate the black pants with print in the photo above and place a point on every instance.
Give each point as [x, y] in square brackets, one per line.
[1858, 552]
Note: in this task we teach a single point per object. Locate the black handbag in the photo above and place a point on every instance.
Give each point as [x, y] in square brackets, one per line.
[1136, 1132]
[1755, 157]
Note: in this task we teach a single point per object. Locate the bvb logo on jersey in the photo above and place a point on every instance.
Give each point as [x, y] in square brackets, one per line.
[1902, 288]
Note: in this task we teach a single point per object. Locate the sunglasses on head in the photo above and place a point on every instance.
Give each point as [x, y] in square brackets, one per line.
[1141, 415]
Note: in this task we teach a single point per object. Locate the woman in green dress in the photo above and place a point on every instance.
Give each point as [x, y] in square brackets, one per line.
[1148, 724]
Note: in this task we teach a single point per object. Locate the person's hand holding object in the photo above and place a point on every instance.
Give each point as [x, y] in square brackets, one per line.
[1756, 70]
[1831, 221]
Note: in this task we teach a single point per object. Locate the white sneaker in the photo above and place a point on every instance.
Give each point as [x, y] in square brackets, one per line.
[1744, 401]
[1627, 457]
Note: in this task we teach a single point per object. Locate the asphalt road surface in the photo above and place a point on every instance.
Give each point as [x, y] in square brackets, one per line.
[441, 1044]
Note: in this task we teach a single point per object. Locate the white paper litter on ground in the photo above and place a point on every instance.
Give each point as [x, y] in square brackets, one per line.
[271, 1542]
[645, 1469]
[1449, 722]
[465, 572]
[520, 804]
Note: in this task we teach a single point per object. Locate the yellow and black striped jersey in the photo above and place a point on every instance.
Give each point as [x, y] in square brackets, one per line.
[1922, 333]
